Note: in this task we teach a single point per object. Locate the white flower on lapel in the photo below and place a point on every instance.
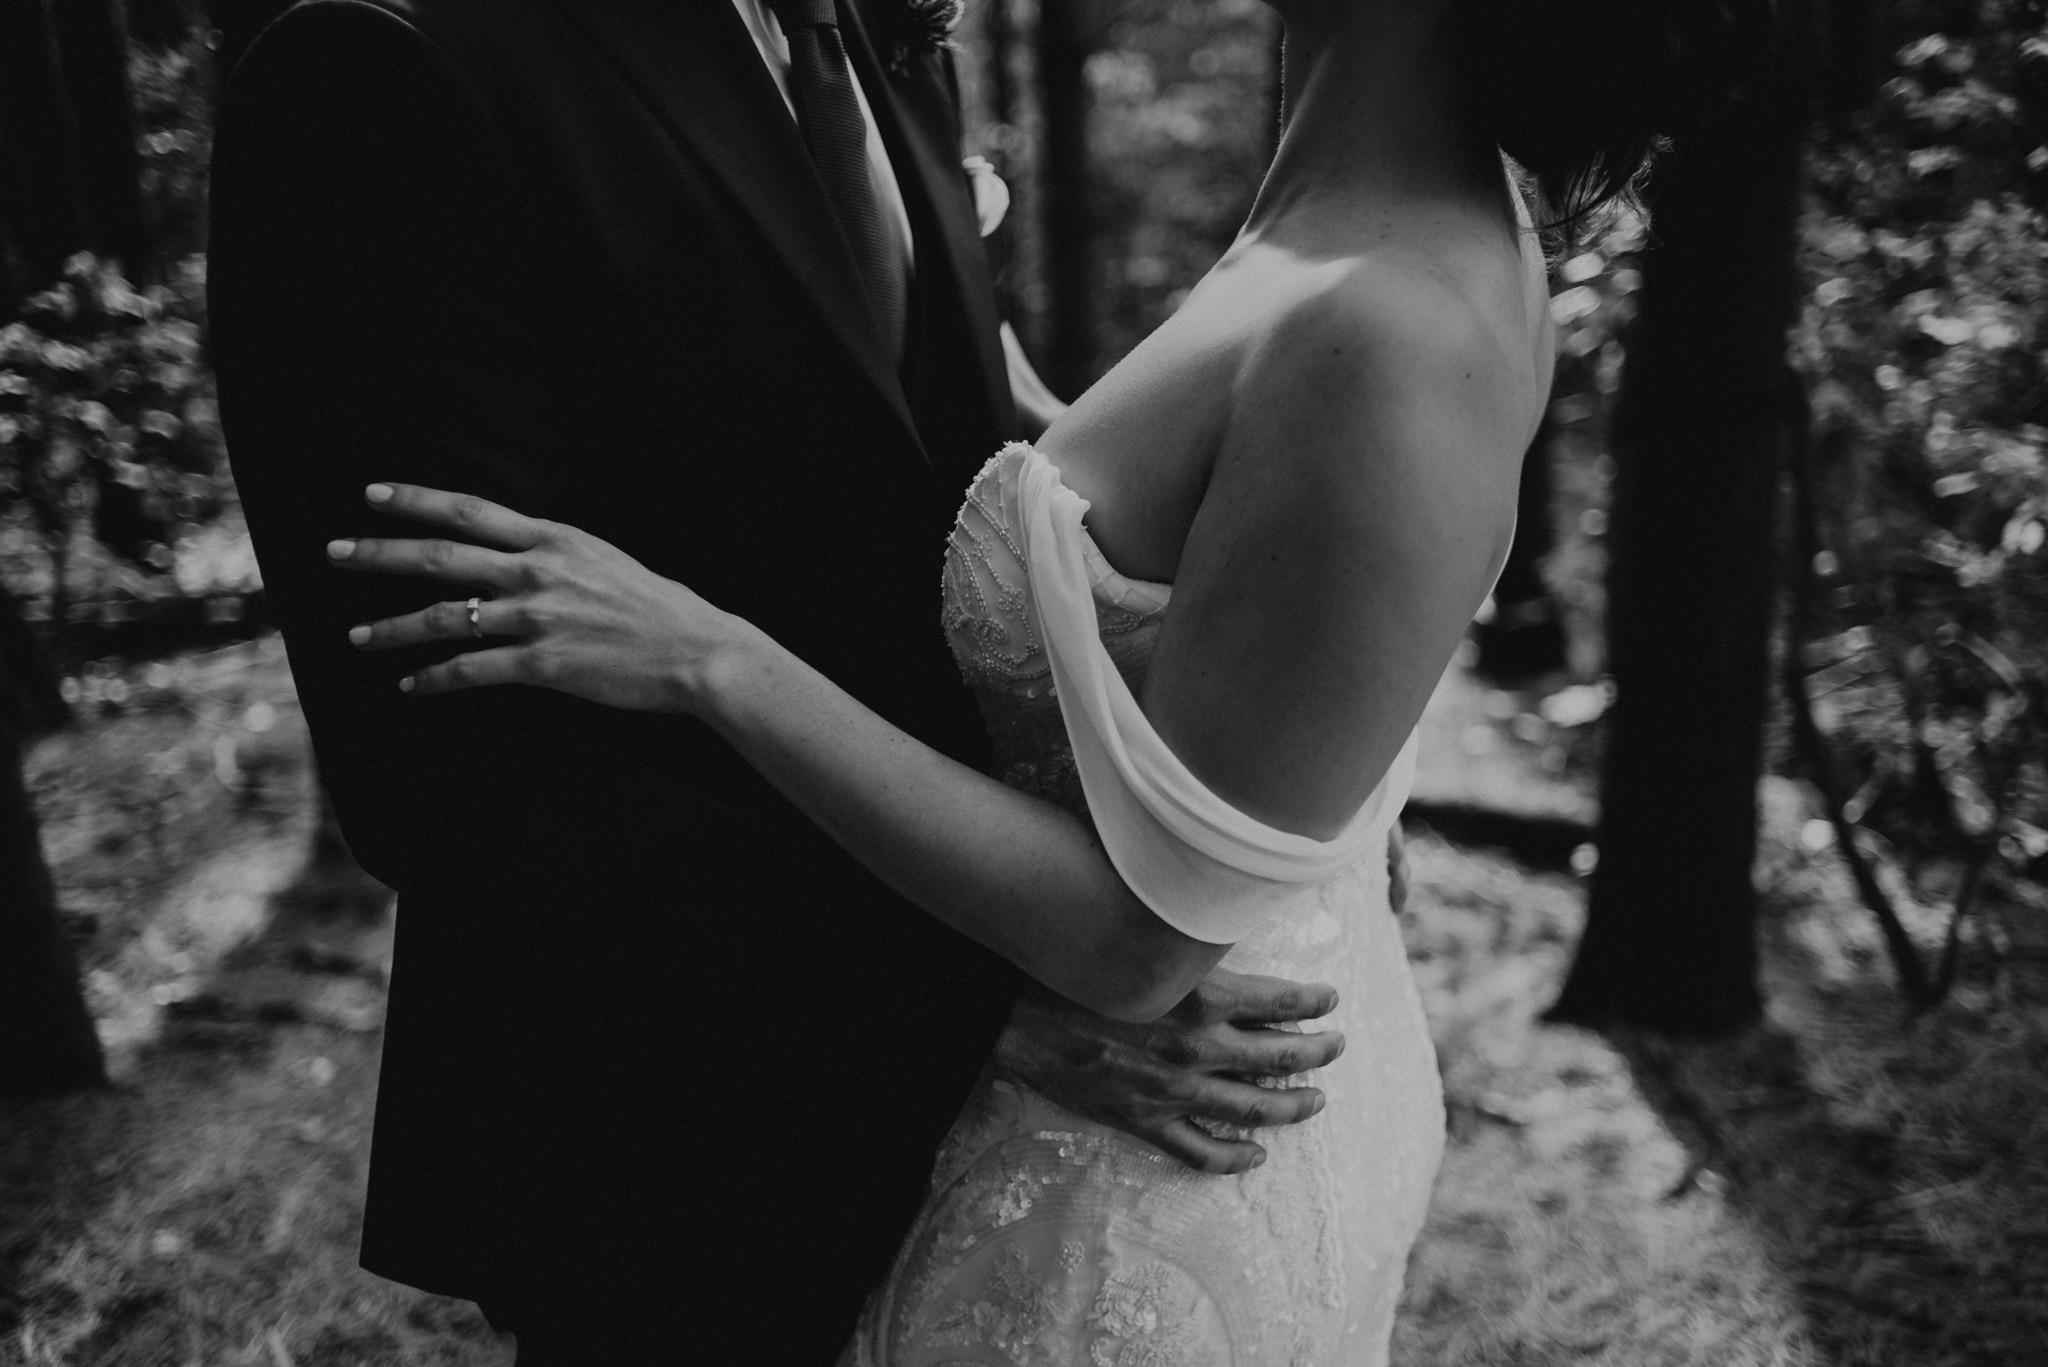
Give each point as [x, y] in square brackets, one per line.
[991, 196]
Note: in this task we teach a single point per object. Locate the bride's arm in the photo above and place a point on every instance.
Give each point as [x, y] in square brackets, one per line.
[1352, 524]
[1023, 876]
[1360, 503]
[1020, 875]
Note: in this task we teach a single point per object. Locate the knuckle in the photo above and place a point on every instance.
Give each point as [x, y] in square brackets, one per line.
[436, 554]
[1148, 1115]
[441, 618]
[1220, 1161]
[1177, 1050]
[1282, 1109]
[468, 510]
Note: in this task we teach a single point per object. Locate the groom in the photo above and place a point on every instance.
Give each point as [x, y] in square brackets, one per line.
[664, 1068]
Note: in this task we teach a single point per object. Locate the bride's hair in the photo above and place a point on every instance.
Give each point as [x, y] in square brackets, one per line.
[1583, 93]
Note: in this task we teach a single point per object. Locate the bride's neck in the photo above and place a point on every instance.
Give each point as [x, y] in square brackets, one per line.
[1370, 116]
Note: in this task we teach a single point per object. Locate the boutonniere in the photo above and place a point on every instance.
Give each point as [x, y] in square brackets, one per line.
[913, 28]
[991, 196]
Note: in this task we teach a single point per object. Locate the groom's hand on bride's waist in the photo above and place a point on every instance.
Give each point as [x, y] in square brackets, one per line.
[1198, 1062]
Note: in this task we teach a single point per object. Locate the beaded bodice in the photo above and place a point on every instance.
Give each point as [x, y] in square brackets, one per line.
[1050, 1240]
[987, 617]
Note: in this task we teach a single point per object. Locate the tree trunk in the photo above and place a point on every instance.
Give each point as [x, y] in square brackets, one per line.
[1699, 433]
[29, 692]
[1000, 29]
[160, 23]
[38, 182]
[1065, 32]
[1857, 38]
[12, 285]
[92, 47]
[47, 1042]
[1524, 639]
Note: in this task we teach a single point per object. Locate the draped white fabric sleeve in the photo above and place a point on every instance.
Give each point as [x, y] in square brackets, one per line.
[1201, 865]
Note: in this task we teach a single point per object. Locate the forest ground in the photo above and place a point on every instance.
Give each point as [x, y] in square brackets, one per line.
[1844, 1184]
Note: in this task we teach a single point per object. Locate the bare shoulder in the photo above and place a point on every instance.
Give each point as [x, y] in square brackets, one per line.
[1360, 503]
[1392, 334]
[1389, 376]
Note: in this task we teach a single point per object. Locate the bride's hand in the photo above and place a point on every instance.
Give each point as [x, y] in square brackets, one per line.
[560, 608]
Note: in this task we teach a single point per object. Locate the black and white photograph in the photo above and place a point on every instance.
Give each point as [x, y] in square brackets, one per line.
[1023, 683]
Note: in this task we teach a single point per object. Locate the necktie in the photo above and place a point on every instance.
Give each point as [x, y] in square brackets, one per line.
[828, 110]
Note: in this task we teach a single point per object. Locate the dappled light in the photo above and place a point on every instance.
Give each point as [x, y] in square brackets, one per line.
[1722, 872]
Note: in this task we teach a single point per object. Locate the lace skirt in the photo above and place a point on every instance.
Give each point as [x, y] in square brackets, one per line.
[1048, 1239]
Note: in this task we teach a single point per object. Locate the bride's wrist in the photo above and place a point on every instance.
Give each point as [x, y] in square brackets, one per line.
[711, 682]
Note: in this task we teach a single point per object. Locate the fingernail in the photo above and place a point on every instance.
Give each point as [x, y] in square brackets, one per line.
[358, 636]
[1259, 1158]
[378, 493]
[1316, 1107]
[405, 685]
[340, 550]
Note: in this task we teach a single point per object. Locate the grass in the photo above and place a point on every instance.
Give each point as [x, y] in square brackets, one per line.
[207, 1214]
[205, 1208]
[1570, 1224]
[1844, 1184]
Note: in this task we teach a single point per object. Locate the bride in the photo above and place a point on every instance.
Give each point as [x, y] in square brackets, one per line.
[1202, 616]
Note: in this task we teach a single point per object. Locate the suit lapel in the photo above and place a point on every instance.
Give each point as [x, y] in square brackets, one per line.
[952, 258]
[694, 64]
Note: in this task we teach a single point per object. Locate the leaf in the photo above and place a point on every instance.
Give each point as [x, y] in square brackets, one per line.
[1948, 331]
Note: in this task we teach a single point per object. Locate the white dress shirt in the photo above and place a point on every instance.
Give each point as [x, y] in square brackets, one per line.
[768, 37]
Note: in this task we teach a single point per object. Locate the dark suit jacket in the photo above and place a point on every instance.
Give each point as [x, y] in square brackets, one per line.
[571, 255]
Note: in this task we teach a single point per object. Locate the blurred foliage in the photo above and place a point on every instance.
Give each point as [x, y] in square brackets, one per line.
[1593, 301]
[172, 88]
[115, 501]
[1924, 269]
[114, 489]
[1183, 116]
[1925, 259]
[1921, 338]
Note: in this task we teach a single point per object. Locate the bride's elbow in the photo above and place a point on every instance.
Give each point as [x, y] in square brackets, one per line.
[1142, 985]
[1134, 1004]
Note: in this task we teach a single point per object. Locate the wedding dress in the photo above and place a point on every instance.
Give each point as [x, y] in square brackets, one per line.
[1049, 1239]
